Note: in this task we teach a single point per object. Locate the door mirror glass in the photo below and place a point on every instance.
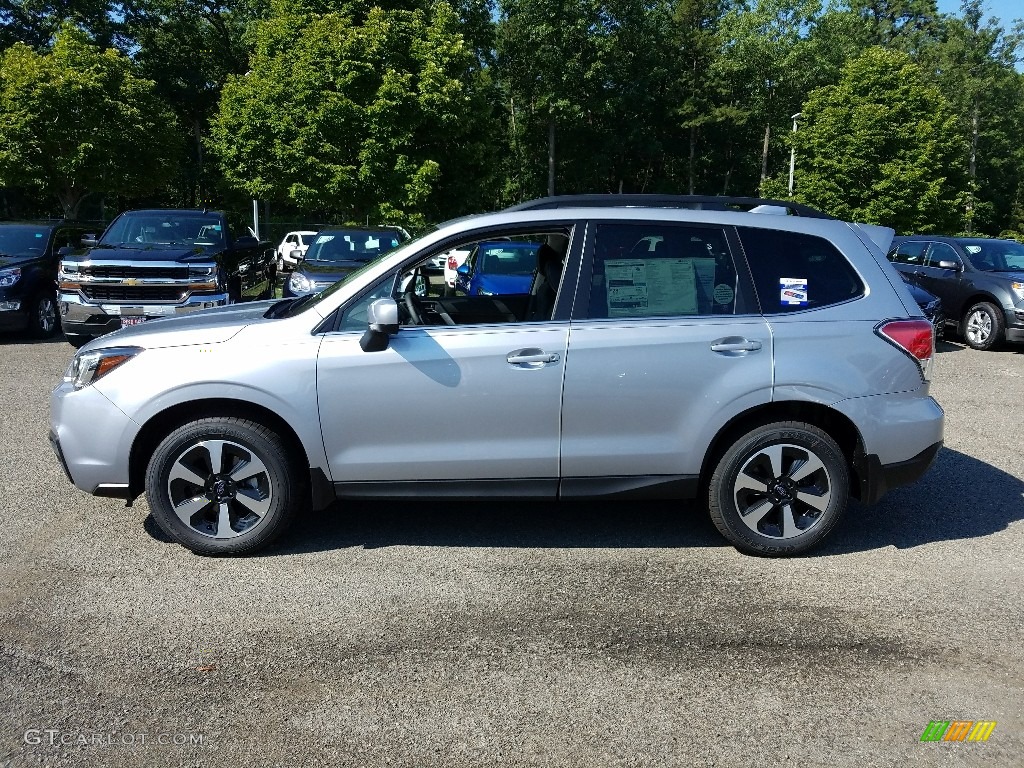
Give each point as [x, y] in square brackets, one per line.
[946, 264]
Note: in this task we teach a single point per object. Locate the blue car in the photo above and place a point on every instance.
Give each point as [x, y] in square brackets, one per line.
[335, 252]
[497, 268]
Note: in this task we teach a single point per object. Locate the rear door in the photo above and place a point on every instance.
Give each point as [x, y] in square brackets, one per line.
[665, 346]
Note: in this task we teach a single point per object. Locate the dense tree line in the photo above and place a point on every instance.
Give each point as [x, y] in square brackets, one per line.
[421, 110]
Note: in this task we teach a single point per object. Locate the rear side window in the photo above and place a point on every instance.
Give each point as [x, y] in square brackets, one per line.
[909, 253]
[794, 271]
[661, 270]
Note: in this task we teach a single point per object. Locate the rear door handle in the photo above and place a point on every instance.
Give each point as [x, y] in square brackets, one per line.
[735, 344]
[531, 356]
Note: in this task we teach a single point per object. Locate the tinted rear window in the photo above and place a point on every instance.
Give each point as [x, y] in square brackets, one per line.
[794, 271]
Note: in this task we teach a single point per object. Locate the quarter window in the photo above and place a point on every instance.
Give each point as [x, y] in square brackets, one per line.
[794, 271]
[659, 270]
[911, 252]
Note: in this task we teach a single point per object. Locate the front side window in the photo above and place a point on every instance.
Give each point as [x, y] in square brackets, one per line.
[793, 271]
[659, 270]
[942, 252]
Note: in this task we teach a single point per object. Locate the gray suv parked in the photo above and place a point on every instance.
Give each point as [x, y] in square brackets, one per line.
[979, 280]
[771, 365]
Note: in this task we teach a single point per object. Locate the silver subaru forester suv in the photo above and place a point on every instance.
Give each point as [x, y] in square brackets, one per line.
[771, 365]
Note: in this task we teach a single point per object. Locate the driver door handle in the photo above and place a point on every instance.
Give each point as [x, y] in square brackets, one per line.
[531, 357]
[734, 344]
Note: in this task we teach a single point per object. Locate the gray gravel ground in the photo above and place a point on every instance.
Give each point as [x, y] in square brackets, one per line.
[516, 634]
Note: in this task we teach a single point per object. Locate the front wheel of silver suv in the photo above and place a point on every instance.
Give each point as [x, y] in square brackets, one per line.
[222, 486]
[779, 489]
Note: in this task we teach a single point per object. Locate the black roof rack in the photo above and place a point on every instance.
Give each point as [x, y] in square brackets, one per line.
[693, 202]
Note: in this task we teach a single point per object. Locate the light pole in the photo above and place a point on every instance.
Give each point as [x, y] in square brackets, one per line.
[792, 155]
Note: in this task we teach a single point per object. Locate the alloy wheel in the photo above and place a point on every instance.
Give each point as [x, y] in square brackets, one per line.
[979, 327]
[219, 488]
[782, 491]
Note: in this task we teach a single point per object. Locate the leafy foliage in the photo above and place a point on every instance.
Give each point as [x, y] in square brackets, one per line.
[77, 121]
[882, 146]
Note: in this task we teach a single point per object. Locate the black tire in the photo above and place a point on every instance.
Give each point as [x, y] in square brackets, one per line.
[258, 508]
[983, 326]
[751, 462]
[77, 340]
[43, 317]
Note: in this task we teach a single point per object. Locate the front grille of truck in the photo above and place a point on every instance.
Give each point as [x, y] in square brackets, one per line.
[133, 292]
[135, 273]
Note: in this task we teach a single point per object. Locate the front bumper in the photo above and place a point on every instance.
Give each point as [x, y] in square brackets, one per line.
[92, 438]
[13, 319]
[1015, 325]
[80, 317]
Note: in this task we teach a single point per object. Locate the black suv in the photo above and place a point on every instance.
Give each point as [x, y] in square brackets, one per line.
[29, 252]
[979, 280]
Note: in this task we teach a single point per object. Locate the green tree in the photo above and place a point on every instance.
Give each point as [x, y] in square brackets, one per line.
[882, 146]
[354, 118]
[77, 121]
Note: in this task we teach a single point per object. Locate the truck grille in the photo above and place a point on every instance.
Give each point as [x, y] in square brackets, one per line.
[137, 273]
[142, 293]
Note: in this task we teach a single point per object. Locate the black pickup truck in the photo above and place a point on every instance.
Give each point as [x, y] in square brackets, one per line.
[979, 280]
[158, 263]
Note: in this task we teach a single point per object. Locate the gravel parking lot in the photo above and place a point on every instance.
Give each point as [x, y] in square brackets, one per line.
[433, 634]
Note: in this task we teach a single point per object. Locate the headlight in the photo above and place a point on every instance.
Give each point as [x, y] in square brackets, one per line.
[299, 283]
[9, 277]
[1018, 288]
[89, 367]
[202, 277]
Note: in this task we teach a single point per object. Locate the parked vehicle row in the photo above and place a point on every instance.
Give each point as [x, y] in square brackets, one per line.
[773, 366]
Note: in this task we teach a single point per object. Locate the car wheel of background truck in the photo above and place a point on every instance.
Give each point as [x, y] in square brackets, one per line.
[223, 486]
[779, 489]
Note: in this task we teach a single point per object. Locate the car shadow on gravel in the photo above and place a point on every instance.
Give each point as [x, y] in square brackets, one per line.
[512, 524]
[959, 498]
[21, 338]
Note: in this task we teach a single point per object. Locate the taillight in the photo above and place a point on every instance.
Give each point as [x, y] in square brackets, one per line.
[915, 337]
[453, 264]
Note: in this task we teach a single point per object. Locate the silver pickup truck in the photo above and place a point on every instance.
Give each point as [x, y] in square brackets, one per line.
[159, 263]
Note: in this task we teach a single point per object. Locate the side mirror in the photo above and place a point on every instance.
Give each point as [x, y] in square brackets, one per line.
[296, 254]
[463, 270]
[246, 242]
[948, 265]
[64, 250]
[382, 322]
[90, 241]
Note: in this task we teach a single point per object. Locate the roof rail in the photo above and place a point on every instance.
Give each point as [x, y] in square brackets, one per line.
[693, 202]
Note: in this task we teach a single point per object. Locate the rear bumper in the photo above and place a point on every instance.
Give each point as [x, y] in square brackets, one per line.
[876, 479]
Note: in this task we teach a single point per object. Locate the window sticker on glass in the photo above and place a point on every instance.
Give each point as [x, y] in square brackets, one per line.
[325, 239]
[793, 290]
[724, 294]
[651, 287]
[972, 248]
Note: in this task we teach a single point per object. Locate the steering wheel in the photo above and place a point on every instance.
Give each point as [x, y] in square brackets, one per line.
[413, 306]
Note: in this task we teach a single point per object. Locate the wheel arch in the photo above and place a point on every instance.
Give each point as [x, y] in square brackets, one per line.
[976, 298]
[163, 423]
[838, 426]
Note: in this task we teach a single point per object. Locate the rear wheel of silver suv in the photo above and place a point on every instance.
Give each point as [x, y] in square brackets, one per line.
[222, 486]
[779, 489]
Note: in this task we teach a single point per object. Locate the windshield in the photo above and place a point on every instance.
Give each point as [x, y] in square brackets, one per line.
[156, 228]
[996, 255]
[22, 240]
[509, 259]
[351, 244]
